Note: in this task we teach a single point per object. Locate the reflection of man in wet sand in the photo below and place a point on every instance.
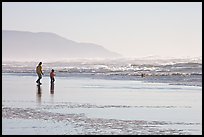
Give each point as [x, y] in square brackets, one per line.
[39, 93]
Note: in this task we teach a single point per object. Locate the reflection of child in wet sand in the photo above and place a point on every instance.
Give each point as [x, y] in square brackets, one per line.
[52, 76]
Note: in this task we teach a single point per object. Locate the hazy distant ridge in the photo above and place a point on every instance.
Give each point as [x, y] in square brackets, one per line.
[17, 45]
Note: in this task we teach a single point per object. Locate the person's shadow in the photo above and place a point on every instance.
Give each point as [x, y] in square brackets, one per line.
[52, 88]
[39, 93]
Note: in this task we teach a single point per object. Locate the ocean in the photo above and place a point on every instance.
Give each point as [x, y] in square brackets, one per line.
[172, 71]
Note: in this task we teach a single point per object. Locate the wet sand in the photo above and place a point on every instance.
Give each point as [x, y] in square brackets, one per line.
[104, 107]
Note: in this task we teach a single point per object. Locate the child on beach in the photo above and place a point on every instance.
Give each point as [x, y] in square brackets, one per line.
[52, 76]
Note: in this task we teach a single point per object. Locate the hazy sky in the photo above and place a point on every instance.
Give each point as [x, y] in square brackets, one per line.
[133, 29]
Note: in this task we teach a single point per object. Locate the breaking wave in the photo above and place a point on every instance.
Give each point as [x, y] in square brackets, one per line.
[152, 70]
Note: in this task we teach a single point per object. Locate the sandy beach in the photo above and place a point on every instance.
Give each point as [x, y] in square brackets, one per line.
[119, 68]
[75, 106]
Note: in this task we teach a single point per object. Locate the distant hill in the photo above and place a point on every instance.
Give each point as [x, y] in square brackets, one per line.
[23, 45]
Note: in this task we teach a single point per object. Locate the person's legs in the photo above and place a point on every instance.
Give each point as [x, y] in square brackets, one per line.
[39, 77]
[52, 80]
[37, 81]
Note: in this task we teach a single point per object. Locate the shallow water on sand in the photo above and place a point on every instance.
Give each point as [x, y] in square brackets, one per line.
[98, 106]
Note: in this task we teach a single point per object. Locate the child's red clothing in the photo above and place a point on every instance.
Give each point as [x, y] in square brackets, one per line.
[52, 74]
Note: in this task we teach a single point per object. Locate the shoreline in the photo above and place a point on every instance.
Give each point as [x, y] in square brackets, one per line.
[147, 79]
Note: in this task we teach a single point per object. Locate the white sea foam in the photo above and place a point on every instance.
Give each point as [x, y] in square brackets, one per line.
[177, 71]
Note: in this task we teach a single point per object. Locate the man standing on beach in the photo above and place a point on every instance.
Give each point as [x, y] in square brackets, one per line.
[39, 72]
